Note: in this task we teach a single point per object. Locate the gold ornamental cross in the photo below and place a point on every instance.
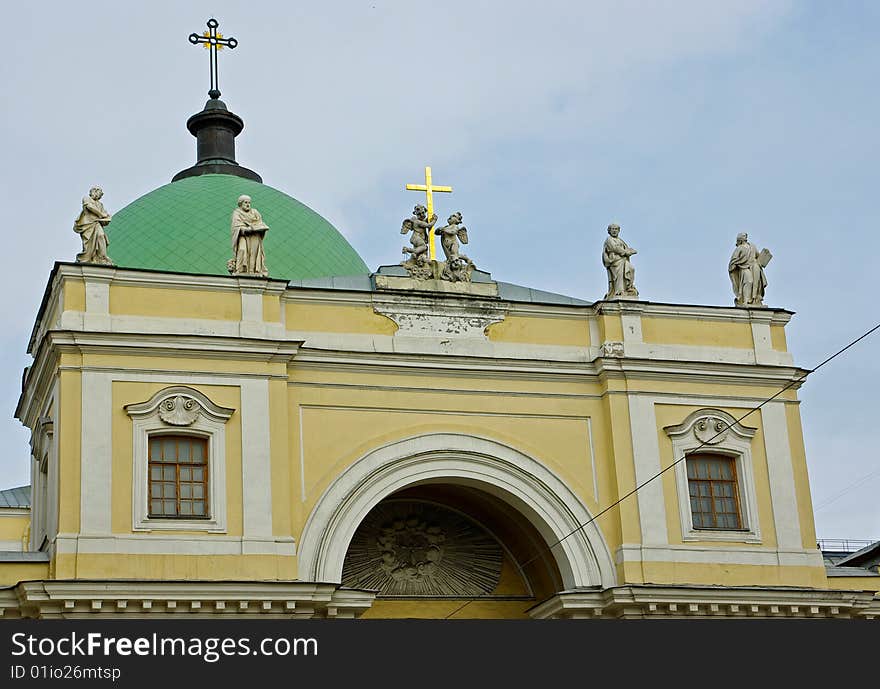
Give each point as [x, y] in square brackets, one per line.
[429, 188]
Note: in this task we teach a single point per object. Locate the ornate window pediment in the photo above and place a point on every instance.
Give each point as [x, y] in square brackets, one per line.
[179, 411]
[713, 432]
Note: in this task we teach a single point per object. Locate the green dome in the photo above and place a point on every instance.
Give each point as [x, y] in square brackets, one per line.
[184, 227]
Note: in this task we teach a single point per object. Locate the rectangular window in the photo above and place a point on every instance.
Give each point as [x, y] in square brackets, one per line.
[714, 492]
[178, 467]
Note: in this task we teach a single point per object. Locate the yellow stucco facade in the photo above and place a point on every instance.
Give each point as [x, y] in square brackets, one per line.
[530, 419]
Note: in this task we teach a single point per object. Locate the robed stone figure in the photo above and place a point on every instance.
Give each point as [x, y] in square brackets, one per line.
[248, 231]
[89, 225]
[621, 274]
[746, 270]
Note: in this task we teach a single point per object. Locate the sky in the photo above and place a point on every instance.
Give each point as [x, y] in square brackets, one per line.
[684, 122]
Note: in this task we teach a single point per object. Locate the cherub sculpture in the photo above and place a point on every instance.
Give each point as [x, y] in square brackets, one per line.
[458, 267]
[418, 263]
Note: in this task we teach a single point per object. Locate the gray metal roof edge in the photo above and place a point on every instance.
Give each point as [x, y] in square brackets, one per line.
[16, 498]
[23, 556]
[507, 291]
[838, 571]
[860, 554]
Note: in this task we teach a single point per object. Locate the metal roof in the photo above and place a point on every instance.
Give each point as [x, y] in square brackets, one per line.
[16, 498]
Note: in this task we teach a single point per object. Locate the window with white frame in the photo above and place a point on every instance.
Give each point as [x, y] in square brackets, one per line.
[713, 487]
[178, 467]
[715, 478]
[179, 462]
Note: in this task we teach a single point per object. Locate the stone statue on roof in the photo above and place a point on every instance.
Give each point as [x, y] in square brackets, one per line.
[248, 231]
[746, 270]
[458, 267]
[89, 225]
[621, 274]
[418, 264]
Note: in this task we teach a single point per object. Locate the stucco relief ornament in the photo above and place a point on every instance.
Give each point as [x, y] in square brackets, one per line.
[179, 410]
[412, 548]
[711, 430]
[614, 349]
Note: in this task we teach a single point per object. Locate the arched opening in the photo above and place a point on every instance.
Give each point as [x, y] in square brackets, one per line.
[431, 548]
[532, 515]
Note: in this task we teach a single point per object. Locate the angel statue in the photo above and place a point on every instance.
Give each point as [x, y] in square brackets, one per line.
[458, 267]
[418, 264]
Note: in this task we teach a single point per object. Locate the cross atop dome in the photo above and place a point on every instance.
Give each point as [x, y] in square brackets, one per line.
[215, 127]
[213, 42]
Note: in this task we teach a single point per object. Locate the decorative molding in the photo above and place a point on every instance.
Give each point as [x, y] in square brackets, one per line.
[192, 402]
[719, 553]
[612, 349]
[659, 601]
[179, 410]
[701, 430]
[149, 598]
[414, 548]
[438, 319]
[706, 424]
[526, 484]
[209, 423]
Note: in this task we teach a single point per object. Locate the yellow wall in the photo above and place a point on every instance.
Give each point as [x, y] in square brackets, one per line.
[697, 332]
[176, 567]
[801, 477]
[777, 338]
[13, 526]
[13, 572]
[176, 303]
[69, 437]
[555, 432]
[855, 583]
[271, 308]
[74, 295]
[610, 328]
[337, 319]
[571, 332]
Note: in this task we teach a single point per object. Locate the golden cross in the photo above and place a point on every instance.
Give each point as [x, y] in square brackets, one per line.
[429, 188]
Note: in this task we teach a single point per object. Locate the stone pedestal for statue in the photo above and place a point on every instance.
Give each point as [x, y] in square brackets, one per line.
[396, 277]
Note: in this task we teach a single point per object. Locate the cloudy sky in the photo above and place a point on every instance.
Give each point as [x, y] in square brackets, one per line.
[684, 122]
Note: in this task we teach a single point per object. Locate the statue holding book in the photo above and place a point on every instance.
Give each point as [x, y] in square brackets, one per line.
[248, 230]
[746, 270]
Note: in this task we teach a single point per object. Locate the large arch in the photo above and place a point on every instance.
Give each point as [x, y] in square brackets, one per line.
[521, 481]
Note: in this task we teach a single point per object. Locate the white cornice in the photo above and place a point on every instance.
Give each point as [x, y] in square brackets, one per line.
[144, 278]
[150, 598]
[694, 311]
[155, 344]
[659, 601]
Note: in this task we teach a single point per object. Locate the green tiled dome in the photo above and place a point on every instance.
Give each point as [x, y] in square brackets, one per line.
[184, 227]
